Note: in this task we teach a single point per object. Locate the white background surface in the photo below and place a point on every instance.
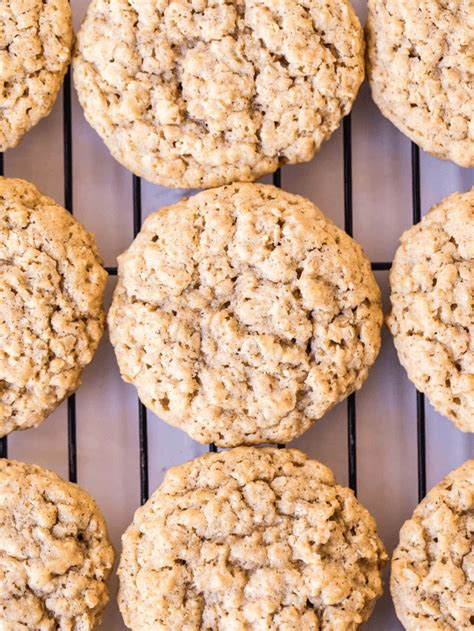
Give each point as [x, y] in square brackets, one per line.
[107, 425]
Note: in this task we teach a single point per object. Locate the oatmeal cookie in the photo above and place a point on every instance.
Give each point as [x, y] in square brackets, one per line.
[432, 318]
[55, 555]
[250, 539]
[200, 93]
[51, 315]
[420, 64]
[243, 314]
[432, 581]
[35, 49]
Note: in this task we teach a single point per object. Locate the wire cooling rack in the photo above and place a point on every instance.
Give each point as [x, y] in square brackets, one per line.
[355, 428]
[376, 438]
[136, 208]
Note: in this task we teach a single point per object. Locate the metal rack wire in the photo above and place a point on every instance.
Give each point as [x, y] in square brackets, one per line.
[68, 204]
[137, 222]
[349, 228]
[142, 411]
[420, 399]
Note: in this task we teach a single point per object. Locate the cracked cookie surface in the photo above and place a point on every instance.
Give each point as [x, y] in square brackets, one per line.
[243, 314]
[432, 318]
[250, 539]
[35, 49]
[432, 580]
[420, 64]
[55, 555]
[200, 93]
[51, 315]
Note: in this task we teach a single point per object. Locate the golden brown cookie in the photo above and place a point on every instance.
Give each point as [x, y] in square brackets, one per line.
[35, 49]
[51, 314]
[199, 93]
[432, 579]
[243, 314]
[250, 539]
[432, 318]
[55, 555]
[420, 64]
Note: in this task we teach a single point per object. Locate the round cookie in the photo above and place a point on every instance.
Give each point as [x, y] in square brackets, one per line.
[35, 50]
[200, 93]
[420, 68]
[243, 314]
[250, 539]
[55, 555]
[51, 315]
[432, 580]
[432, 318]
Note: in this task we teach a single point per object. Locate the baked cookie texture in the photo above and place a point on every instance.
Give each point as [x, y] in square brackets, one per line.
[243, 314]
[432, 317]
[420, 64]
[51, 315]
[36, 39]
[432, 580]
[55, 555]
[200, 93]
[250, 539]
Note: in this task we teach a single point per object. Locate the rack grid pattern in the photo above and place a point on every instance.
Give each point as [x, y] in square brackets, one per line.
[137, 222]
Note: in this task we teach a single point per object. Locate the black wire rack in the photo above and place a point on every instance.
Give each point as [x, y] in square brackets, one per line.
[137, 223]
